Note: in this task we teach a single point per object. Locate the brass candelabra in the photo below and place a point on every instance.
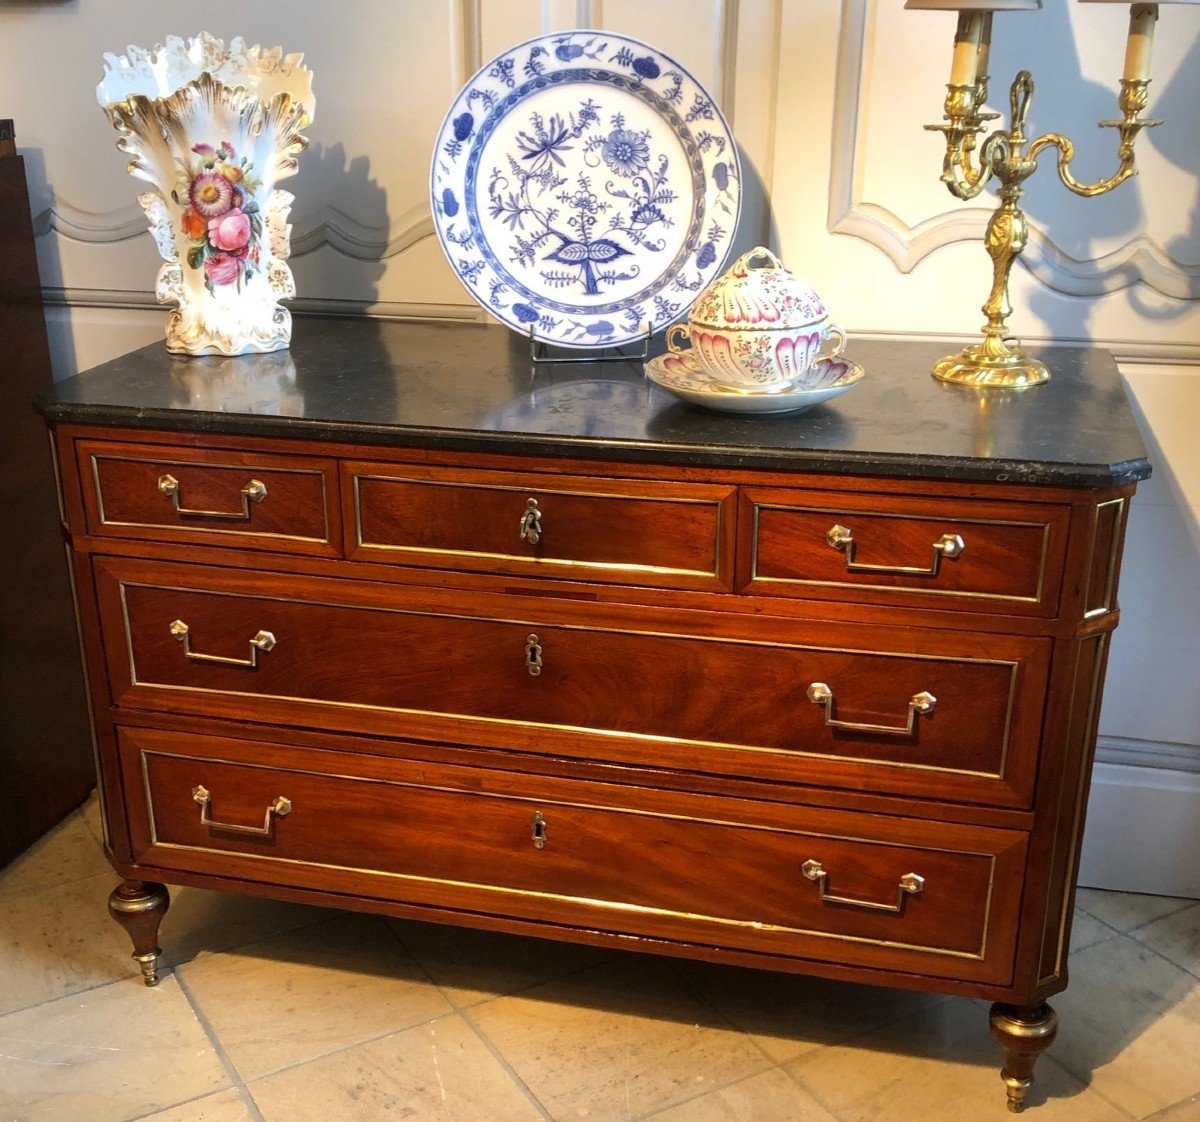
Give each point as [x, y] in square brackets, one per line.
[1010, 157]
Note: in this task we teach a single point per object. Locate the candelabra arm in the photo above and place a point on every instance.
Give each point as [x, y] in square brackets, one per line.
[965, 178]
[1132, 100]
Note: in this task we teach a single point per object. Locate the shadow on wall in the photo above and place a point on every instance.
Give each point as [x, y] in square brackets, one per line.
[340, 246]
[1121, 214]
[1118, 215]
[41, 200]
[756, 223]
[1176, 141]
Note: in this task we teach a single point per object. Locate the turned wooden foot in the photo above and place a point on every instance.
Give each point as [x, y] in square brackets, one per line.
[1024, 1032]
[139, 906]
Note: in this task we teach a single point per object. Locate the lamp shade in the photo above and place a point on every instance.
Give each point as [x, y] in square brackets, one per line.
[985, 5]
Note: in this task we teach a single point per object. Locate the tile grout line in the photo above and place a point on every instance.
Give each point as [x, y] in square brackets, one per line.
[776, 1065]
[1163, 1113]
[157, 1110]
[1184, 905]
[1159, 954]
[237, 1081]
[115, 980]
[348, 1047]
[1089, 1084]
[787, 1070]
[474, 1026]
[171, 967]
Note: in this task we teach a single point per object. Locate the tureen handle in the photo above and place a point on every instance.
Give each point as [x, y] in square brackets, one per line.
[743, 263]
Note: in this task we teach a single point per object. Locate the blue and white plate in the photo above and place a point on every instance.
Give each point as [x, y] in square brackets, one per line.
[585, 185]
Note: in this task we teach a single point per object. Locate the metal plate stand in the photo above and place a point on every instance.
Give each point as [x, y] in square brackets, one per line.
[539, 357]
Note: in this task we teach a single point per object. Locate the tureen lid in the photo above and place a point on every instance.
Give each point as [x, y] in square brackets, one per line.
[748, 297]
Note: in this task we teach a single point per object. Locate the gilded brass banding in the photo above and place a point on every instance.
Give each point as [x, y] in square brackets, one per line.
[1014, 668]
[955, 522]
[1080, 802]
[1110, 578]
[525, 559]
[190, 529]
[612, 905]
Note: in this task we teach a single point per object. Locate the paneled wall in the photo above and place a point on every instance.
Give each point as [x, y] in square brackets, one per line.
[827, 99]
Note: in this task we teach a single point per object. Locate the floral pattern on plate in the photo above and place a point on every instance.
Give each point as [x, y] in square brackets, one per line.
[585, 186]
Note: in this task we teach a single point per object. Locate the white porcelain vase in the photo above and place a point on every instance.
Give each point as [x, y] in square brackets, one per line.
[213, 129]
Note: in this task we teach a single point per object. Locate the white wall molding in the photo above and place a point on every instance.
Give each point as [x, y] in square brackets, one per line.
[466, 40]
[1141, 260]
[1128, 752]
[1143, 831]
[329, 226]
[725, 45]
[121, 299]
[1123, 350]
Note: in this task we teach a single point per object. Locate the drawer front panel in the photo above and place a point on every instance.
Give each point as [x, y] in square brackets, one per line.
[975, 556]
[901, 712]
[674, 866]
[213, 497]
[616, 531]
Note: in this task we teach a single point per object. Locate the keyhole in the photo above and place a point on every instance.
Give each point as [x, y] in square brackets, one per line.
[539, 830]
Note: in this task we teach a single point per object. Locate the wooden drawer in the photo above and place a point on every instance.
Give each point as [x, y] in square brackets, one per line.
[666, 535]
[220, 497]
[685, 867]
[837, 705]
[903, 549]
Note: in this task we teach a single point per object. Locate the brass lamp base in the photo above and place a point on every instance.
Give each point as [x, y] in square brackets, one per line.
[992, 363]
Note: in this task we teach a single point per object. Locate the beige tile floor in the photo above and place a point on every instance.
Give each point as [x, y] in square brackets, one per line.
[281, 1012]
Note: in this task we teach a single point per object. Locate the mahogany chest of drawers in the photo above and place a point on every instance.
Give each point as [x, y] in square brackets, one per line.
[395, 622]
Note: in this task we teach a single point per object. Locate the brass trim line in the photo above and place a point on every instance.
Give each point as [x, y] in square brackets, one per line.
[1036, 598]
[106, 521]
[1014, 668]
[1110, 578]
[644, 909]
[526, 559]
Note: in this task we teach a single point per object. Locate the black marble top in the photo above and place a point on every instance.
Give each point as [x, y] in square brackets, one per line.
[473, 388]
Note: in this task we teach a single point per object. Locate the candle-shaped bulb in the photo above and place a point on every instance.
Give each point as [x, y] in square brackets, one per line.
[985, 47]
[966, 48]
[1142, 18]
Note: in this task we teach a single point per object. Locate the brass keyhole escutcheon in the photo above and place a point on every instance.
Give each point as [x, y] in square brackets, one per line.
[531, 523]
[533, 655]
[539, 830]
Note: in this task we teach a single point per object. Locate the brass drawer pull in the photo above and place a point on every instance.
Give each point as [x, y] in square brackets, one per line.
[948, 545]
[263, 641]
[533, 655]
[539, 830]
[910, 884]
[531, 523]
[254, 492]
[280, 808]
[922, 704]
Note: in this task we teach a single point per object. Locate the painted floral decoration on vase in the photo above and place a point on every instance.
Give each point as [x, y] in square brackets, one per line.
[213, 129]
[221, 216]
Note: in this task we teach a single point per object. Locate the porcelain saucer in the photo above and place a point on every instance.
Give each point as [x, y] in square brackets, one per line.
[682, 376]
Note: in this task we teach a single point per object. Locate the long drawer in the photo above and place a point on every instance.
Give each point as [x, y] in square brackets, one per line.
[948, 715]
[868, 890]
[665, 535]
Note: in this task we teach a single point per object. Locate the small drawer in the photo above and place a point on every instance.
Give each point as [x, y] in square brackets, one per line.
[946, 715]
[903, 549]
[617, 531]
[930, 898]
[220, 497]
